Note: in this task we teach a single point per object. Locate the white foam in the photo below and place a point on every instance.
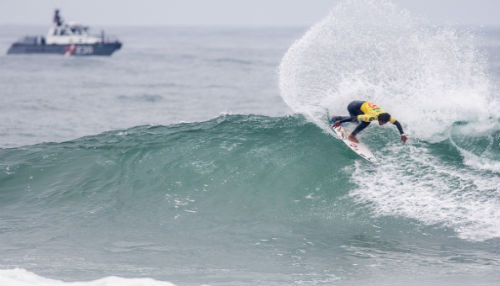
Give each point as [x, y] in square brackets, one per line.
[419, 186]
[22, 277]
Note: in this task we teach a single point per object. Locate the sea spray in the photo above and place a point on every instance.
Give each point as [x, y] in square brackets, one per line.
[427, 77]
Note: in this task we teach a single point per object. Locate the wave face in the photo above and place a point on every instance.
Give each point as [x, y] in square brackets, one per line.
[208, 202]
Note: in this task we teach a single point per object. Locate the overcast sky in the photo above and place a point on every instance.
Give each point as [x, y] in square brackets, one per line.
[230, 12]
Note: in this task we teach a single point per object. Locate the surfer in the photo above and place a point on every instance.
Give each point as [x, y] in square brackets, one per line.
[365, 112]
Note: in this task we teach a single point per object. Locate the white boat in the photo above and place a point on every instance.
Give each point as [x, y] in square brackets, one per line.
[71, 39]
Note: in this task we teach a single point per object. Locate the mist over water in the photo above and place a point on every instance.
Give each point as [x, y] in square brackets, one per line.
[180, 158]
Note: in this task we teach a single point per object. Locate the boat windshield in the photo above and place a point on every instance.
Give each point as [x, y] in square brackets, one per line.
[70, 30]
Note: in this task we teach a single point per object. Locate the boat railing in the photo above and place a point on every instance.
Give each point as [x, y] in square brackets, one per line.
[32, 40]
[107, 38]
[40, 40]
[29, 40]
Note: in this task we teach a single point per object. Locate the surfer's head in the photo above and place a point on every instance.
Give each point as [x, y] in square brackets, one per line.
[383, 118]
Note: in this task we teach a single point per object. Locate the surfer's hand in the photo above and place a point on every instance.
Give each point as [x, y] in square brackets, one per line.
[336, 124]
[353, 139]
[404, 138]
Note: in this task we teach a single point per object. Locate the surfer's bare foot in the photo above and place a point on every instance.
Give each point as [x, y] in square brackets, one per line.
[353, 139]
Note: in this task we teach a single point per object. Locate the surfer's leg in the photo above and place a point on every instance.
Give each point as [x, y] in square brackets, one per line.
[354, 108]
[360, 127]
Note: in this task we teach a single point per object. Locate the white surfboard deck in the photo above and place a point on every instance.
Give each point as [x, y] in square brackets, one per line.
[358, 148]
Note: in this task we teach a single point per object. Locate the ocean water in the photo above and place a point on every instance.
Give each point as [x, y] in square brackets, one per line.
[202, 156]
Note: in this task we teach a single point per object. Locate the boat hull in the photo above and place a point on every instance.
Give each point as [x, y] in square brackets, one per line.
[101, 49]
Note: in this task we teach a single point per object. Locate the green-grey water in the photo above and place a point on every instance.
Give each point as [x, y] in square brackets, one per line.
[231, 199]
[202, 156]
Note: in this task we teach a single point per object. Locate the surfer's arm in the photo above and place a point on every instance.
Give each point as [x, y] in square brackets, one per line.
[360, 127]
[349, 119]
[400, 128]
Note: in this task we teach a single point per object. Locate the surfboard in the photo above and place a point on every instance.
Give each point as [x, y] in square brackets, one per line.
[358, 148]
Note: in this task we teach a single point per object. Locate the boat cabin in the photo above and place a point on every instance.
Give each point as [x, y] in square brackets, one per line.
[72, 33]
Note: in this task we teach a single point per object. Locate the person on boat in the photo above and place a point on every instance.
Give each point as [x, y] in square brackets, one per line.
[365, 112]
[57, 18]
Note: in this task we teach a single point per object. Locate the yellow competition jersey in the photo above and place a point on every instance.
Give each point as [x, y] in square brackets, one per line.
[371, 112]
